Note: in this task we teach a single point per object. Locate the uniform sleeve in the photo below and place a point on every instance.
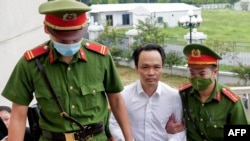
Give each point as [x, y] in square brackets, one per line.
[115, 129]
[19, 88]
[112, 79]
[237, 114]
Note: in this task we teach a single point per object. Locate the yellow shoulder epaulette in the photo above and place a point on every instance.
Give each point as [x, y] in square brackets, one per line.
[36, 52]
[101, 49]
[184, 86]
[231, 95]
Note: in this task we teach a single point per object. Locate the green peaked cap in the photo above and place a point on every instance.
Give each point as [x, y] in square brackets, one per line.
[203, 49]
[60, 7]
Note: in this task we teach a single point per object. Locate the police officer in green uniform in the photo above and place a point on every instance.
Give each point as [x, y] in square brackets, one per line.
[81, 74]
[207, 104]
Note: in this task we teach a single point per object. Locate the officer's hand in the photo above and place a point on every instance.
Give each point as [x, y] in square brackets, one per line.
[173, 127]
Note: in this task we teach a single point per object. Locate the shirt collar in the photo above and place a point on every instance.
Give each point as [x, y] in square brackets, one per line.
[141, 91]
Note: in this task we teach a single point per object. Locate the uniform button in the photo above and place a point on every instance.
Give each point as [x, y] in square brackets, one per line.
[69, 68]
[71, 87]
[215, 126]
[202, 104]
[73, 106]
[187, 118]
[201, 119]
[94, 91]
[184, 110]
[201, 133]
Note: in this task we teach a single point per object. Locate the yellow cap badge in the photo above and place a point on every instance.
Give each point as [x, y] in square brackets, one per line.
[196, 53]
[69, 16]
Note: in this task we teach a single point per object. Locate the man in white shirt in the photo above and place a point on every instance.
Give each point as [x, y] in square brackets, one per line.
[150, 102]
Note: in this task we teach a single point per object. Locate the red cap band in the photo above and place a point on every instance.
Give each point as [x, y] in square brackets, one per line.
[203, 59]
[67, 22]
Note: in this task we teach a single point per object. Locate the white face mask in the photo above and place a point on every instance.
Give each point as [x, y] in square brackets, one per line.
[67, 49]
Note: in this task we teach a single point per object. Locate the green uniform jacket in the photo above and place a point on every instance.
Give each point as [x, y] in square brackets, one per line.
[80, 87]
[211, 116]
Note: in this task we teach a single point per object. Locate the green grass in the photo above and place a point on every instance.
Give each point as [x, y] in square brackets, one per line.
[220, 24]
[226, 67]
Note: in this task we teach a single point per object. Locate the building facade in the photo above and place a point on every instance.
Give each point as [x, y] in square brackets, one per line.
[128, 14]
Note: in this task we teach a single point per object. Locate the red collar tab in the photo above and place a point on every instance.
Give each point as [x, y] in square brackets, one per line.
[218, 97]
[82, 54]
[51, 56]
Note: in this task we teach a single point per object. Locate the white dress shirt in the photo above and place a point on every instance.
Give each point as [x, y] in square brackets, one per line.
[149, 115]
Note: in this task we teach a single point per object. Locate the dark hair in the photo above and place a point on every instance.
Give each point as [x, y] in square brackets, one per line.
[5, 108]
[148, 47]
[213, 67]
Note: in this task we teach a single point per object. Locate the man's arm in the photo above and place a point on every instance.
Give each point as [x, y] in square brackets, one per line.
[173, 127]
[119, 110]
[17, 124]
[115, 128]
[177, 118]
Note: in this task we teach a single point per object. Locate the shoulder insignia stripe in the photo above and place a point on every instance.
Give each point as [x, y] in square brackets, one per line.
[231, 95]
[101, 49]
[33, 53]
[185, 86]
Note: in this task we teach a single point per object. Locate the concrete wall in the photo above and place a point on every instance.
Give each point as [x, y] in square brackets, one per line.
[21, 29]
[238, 5]
[18, 17]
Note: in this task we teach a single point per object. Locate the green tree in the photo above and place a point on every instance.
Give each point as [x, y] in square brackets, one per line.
[113, 1]
[222, 47]
[243, 73]
[109, 37]
[149, 31]
[126, 1]
[232, 1]
[96, 2]
[173, 58]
